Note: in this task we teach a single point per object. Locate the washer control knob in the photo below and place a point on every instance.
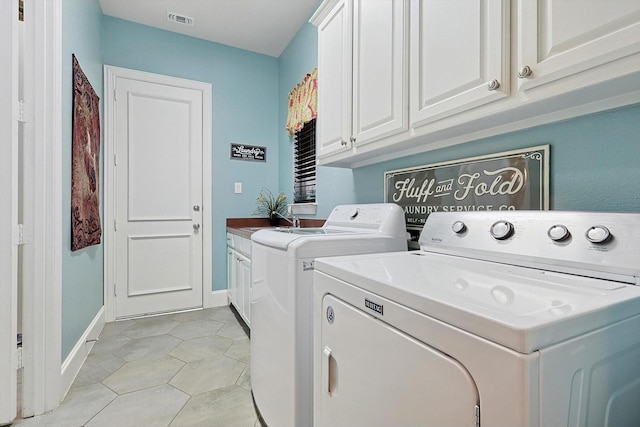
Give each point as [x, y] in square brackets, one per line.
[501, 230]
[598, 234]
[458, 227]
[558, 233]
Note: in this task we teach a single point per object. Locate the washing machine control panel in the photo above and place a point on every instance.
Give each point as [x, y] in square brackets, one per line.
[592, 240]
[384, 218]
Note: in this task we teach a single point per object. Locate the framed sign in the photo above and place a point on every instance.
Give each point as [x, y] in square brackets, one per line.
[248, 152]
[510, 180]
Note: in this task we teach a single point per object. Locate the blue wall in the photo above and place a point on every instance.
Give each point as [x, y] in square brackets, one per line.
[594, 161]
[245, 110]
[82, 271]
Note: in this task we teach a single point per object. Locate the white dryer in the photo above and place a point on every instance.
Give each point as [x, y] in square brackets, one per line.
[282, 273]
[502, 319]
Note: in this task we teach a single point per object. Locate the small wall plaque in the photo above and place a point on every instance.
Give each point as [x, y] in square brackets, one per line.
[248, 152]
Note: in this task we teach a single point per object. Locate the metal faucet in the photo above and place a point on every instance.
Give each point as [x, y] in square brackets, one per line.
[294, 221]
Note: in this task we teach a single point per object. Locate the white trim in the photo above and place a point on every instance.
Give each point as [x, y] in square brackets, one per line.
[8, 209]
[42, 261]
[77, 356]
[216, 299]
[207, 215]
[111, 74]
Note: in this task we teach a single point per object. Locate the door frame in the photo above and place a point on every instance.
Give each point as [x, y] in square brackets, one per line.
[41, 253]
[8, 211]
[111, 74]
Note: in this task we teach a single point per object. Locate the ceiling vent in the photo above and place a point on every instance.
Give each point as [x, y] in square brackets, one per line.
[180, 19]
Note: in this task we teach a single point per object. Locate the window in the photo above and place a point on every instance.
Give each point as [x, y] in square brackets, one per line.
[304, 164]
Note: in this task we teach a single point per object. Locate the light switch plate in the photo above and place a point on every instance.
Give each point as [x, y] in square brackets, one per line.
[238, 187]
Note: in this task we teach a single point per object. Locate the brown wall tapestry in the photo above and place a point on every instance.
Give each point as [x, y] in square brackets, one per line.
[85, 167]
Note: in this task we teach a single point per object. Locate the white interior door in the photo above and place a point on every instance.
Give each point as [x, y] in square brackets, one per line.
[374, 375]
[8, 210]
[158, 197]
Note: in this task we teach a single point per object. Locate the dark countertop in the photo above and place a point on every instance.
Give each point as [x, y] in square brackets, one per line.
[245, 227]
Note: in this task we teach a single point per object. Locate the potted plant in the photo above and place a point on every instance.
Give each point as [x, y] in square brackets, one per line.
[268, 204]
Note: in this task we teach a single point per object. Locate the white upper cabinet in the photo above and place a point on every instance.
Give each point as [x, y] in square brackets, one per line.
[471, 69]
[459, 56]
[380, 64]
[334, 79]
[362, 72]
[557, 39]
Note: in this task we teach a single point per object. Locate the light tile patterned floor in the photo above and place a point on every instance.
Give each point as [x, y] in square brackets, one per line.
[179, 370]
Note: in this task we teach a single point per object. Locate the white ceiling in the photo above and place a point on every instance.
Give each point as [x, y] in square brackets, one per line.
[263, 26]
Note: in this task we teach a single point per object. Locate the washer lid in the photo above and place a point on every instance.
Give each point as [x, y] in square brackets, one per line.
[281, 238]
[522, 308]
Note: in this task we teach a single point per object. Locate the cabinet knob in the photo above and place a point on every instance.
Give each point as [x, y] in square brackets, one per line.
[525, 72]
[493, 84]
[196, 226]
[196, 208]
[352, 139]
[343, 143]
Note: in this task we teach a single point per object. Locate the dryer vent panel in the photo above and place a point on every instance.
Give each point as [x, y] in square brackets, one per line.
[180, 19]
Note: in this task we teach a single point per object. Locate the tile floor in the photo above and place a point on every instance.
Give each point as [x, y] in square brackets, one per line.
[178, 370]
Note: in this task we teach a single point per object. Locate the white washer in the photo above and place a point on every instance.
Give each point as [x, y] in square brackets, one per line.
[501, 319]
[282, 273]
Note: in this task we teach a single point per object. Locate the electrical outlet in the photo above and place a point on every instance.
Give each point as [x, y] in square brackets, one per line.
[238, 187]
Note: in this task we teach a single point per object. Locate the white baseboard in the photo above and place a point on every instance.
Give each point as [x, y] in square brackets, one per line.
[215, 299]
[79, 353]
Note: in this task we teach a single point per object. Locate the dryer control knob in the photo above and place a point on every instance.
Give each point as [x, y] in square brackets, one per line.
[558, 233]
[501, 230]
[598, 234]
[458, 227]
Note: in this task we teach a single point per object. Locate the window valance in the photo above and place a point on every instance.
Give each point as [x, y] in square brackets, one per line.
[303, 102]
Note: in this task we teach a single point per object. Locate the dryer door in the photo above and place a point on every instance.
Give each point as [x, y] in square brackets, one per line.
[375, 375]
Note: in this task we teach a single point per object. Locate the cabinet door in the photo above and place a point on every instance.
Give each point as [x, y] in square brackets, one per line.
[245, 284]
[559, 38]
[459, 56]
[380, 69]
[334, 80]
[231, 275]
[235, 276]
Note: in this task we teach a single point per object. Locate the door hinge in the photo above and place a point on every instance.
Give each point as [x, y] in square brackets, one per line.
[20, 235]
[19, 358]
[115, 225]
[23, 357]
[477, 415]
[115, 293]
[24, 112]
[115, 160]
[115, 95]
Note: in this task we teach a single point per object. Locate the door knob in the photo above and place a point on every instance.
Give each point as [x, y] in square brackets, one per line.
[196, 226]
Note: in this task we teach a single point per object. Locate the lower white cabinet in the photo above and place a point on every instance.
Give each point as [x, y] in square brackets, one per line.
[239, 274]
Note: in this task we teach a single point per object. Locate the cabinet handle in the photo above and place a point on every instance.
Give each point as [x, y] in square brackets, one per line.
[493, 84]
[525, 72]
[343, 143]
